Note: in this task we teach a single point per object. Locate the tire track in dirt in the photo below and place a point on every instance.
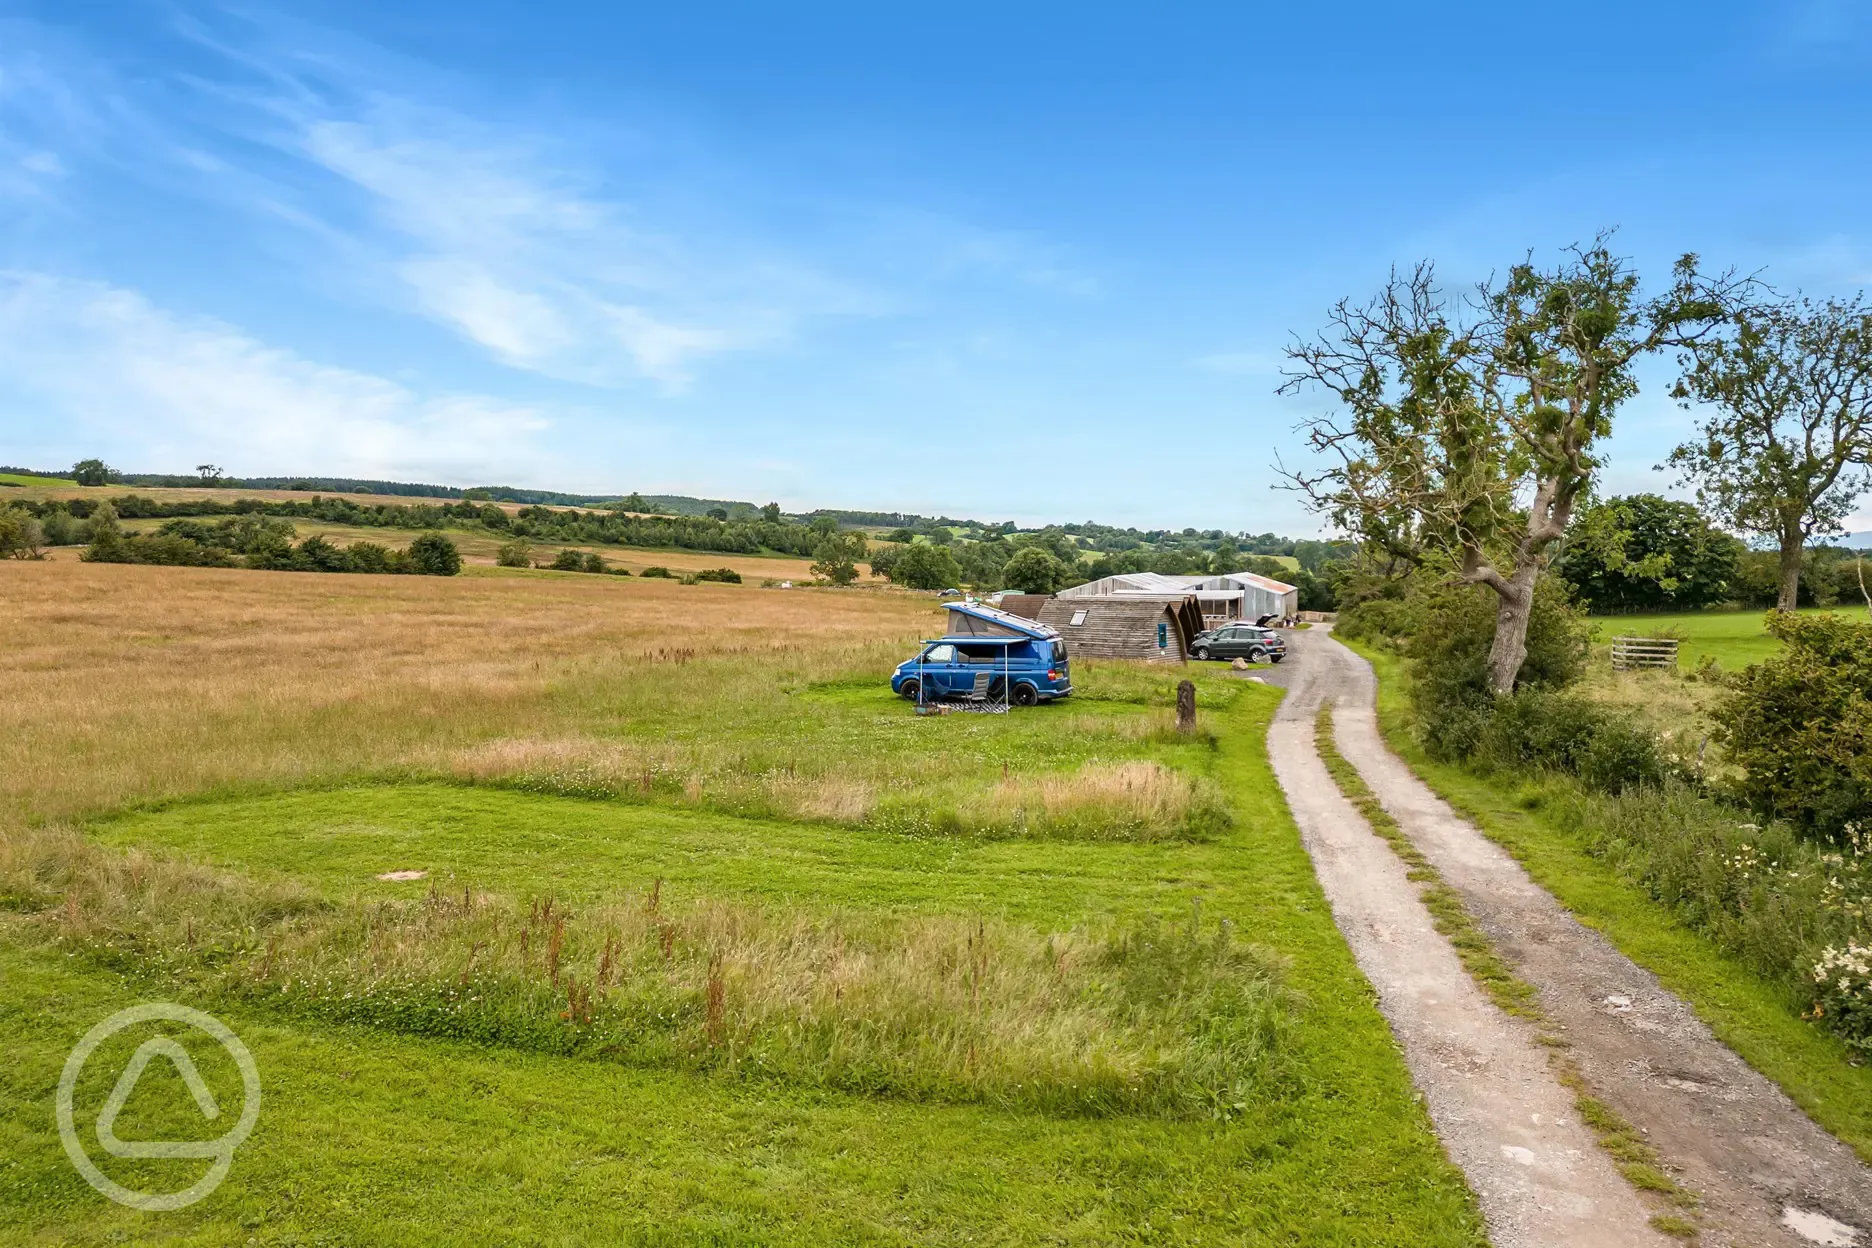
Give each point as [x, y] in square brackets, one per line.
[1760, 1165]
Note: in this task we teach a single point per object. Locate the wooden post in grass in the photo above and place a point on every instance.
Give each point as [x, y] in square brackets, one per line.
[1186, 706]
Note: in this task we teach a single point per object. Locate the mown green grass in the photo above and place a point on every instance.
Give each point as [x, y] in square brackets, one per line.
[577, 850]
[1745, 1010]
[373, 1137]
[365, 1138]
[1734, 639]
[23, 479]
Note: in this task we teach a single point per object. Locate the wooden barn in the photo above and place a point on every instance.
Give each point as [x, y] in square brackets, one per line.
[1136, 626]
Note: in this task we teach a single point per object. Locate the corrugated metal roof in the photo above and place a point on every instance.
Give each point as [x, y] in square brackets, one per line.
[1159, 583]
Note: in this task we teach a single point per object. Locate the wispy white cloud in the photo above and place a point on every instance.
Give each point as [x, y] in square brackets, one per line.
[511, 253]
[103, 365]
[613, 256]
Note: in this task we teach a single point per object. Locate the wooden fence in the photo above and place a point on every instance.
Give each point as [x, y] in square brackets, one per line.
[1635, 652]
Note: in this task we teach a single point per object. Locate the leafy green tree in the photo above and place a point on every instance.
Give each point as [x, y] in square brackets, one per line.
[1447, 636]
[368, 557]
[316, 554]
[593, 562]
[906, 536]
[20, 536]
[1227, 555]
[1646, 553]
[633, 502]
[569, 560]
[60, 527]
[1056, 541]
[1468, 430]
[718, 513]
[93, 472]
[515, 554]
[1034, 570]
[1268, 566]
[883, 561]
[983, 561]
[836, 558]
[1179, 563]
[1800, 725]
[1318, 591]
[771, 513]
[1786, 449]
[434, 555]
[924, 566]
[107, 536]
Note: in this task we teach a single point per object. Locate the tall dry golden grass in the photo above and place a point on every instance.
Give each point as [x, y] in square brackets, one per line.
[130, 683]
[127, 683]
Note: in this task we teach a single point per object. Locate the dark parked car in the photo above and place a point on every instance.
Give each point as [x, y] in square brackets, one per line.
[1239, 641]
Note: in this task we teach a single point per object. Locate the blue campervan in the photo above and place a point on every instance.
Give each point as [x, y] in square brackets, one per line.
[988, 655]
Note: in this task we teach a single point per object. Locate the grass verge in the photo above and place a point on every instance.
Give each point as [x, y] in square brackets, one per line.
[1744, 1009]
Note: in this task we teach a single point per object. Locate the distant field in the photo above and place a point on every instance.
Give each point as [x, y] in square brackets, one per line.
[47, 488]
[1733, 638]
[480, 549]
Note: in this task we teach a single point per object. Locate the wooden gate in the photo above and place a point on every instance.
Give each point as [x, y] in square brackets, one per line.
[1636, 652]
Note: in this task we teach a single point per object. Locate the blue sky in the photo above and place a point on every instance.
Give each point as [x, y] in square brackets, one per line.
[1012, 261]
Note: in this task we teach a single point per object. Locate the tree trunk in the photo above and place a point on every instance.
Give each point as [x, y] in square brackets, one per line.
[1791, 546]
[1515, 599]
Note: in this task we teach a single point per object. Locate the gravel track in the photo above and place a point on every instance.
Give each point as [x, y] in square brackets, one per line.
[1767, 1175]
[1502, 1116]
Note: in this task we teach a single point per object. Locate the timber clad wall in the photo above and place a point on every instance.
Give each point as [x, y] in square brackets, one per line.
[1114, 628]
[1024, 604]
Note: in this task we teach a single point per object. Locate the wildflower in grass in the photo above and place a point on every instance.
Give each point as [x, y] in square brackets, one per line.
[1843, 979]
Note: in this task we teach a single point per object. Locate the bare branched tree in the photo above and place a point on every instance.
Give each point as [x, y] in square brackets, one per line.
[1466, 427]
[1787, 446]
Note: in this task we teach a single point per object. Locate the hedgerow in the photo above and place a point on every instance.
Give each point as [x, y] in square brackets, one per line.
[262, 543]
[571, 526]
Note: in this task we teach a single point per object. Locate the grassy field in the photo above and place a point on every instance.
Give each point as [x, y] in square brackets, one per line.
[1746, 1011]
[480, 549]
[48, 488]
[848, 975]
[32, 482]
[1734, 639]
[1677, 709]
